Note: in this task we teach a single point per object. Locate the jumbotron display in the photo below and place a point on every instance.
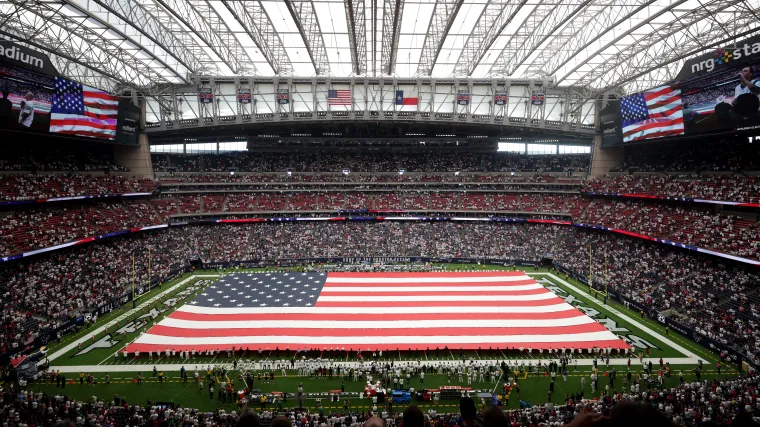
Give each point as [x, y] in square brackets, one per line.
[36, 99]
[714, 93]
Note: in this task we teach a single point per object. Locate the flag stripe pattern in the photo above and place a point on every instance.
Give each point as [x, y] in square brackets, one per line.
[376, 311]
[339, 97]
[83, 111]
[652, 114]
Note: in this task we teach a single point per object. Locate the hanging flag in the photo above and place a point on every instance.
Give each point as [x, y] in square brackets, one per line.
[283, 96]
[339, 97]
[244, 96]
[537, 98]
[400, 100]
[206, 96]
[463, 97]
[500, 98]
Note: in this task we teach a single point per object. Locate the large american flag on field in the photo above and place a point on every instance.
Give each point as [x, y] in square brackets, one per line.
[653, 113]
[339, 97]
[83, 111]
[376, 311]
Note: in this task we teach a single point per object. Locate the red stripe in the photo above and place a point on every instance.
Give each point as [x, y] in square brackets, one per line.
[660, 124]
[82, 122]
[667, 113]
[200, 317]
[436, 293]
[173, 332]
[430, 275]
[538, 303]
[99, 106]
[651, 94]
[658, 134]
[440, 284]
[99, 94]
[409, 101]
[85, 133]
[615, 344]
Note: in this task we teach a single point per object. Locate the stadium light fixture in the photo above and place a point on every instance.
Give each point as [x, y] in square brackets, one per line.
[401, 171]
[456, 173]
[232, 172]
[346, 171]
[290, 172]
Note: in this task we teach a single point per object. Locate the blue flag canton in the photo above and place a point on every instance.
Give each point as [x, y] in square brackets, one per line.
[68, 97]
[262, 290]
[634, 109]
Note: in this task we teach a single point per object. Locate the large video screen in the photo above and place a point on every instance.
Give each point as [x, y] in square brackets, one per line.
[714, 93]
[25, 100]
[80, 110]
[723, 101]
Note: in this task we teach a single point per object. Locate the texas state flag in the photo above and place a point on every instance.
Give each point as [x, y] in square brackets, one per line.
[400, 100]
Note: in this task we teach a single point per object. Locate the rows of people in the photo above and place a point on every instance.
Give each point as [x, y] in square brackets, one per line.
[172, 204]
[716, 298]
[692, 225]
[439, 161]
[34, 186]
[706, 155]
[45, 226]
[735, 187]
[717, 402]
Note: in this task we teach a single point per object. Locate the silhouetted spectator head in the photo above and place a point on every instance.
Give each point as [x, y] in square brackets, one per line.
[413, 417]
[248, 418]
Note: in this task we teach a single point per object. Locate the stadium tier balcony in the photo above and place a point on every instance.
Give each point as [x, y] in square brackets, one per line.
[31, 187]
[439, 161]
[734, 188]
[692, 156]
[690, 225]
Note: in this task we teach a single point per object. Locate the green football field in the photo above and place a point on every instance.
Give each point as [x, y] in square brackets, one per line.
[92, 349]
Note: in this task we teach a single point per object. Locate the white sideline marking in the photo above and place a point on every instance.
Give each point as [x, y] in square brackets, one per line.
[692, 358]
[123, 316]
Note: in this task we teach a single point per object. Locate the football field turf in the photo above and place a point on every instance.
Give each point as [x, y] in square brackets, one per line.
[91, 350]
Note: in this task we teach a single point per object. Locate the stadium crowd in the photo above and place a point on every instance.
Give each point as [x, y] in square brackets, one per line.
[731, 402]
[734, 188]
[715, 298]
[441, 161]
[705, 155]
[32, 186]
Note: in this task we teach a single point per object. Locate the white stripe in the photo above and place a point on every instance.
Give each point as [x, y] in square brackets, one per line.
[55, 129]
[667, 107]
[677, 126]
[428, 298]
[400, 340]
[189, 308]
[101, 111]
[328, 289]
[100, 100]
[425, 279]
[376, 324]
[676, 94]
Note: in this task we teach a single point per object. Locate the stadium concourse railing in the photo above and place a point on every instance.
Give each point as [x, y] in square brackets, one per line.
[72, 198]
[671, 243]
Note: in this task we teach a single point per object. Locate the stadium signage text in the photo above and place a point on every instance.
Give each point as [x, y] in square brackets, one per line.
[21, 56]
[725, 57]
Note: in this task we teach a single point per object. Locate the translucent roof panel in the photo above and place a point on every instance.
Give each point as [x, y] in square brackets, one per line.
[596, 44]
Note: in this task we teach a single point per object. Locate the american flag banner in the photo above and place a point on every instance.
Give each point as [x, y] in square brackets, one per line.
[463, 97]
[654, 113]
[83, 111]
[376, 311]
[339, 97]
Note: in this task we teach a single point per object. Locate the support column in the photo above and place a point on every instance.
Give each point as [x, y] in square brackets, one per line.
[136, 158]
